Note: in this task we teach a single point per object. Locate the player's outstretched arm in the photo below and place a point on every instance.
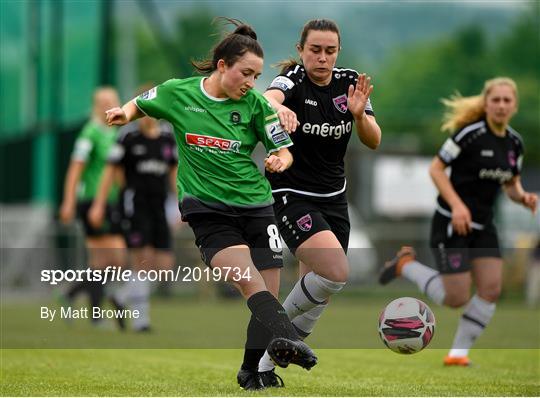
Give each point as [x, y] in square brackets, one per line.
[278, 161]
[287, 118]
[120, 116]
[514, 190]
[367, 128]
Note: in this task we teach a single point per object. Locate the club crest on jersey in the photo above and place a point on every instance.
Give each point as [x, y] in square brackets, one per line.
[341, 103]
[455, 260]
[235, 117]
[206, 141]
[305, 222]
[167, 152]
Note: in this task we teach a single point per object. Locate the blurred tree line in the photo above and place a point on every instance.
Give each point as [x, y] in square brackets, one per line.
[408, 85]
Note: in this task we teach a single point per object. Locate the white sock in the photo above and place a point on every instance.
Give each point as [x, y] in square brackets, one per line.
[427, 279]
[139, 299]
[310, 291]
[265, 363]
[475, 318]
[306, 321]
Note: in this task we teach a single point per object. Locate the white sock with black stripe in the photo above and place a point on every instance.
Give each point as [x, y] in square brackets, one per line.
[475, 318]
[310, 291]
[427, 279]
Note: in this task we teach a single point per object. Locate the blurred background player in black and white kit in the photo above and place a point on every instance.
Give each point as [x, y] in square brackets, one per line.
[484, 153]
[104, 244]
[145, 154]
[322, 106]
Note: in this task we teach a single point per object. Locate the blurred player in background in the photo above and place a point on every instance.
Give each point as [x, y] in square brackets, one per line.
[145, 154]
[105, 244]
[320, 104]
[484, 153]
[218, 120]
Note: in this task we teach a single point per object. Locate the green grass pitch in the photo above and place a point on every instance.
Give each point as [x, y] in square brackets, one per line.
[36, 358]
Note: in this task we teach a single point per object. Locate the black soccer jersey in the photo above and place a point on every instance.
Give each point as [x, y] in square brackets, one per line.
[480, 163]
[146, 161]
[321, 139]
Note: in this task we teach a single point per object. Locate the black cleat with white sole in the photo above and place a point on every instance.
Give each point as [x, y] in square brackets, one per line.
[284, 351]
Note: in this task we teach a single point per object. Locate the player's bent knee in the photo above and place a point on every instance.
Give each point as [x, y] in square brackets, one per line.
[456, 300]
[491, 295]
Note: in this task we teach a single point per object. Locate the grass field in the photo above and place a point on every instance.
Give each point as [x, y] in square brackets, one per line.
[39, 358]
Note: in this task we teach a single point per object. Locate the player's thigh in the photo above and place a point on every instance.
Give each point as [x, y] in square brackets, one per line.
[264, 241]
[487, 274]
[458, 288]
[323, 254]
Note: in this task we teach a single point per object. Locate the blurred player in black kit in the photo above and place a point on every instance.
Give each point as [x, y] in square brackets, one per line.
[485, 154]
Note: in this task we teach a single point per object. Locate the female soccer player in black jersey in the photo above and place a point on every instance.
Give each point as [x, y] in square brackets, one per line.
[322, 105]
[218, 120]
[485, 153]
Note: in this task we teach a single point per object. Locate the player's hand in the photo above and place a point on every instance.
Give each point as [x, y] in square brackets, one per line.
[288, 119]
[358, 96]
[461, 220]
[67, 212]
[116, 116]
[274, 164]
[530, 201]
[96, 214]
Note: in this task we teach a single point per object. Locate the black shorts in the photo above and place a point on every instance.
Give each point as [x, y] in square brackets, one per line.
[301, 217]
[453, 253]
[144, 222]
[111, 224]
[215, 232]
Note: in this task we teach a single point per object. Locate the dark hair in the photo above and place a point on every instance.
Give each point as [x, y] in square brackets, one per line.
[314, 24]
[233, 46]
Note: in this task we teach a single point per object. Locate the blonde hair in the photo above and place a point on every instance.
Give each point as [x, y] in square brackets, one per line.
[461, 111]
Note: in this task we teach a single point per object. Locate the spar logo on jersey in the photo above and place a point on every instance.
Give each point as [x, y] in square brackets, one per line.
[341, 103]
[206, 141]
[275, 132]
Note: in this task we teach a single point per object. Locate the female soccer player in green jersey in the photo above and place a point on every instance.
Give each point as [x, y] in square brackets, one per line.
[105, 244]
[218, 120]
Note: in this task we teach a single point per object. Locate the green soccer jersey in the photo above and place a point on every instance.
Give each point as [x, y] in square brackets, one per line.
[92, 147]
[215, 139]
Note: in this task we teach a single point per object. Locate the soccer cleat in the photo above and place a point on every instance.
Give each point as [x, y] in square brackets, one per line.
[284, 351]
[457, 361]
[392, 268]
[249, 380]
[271, 379]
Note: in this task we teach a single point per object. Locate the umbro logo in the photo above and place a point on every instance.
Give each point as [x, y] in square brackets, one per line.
[311, 102]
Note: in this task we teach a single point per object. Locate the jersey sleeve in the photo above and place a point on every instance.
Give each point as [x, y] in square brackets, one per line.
[516, 169]
[157, 101]
[288, 81]
[451, 149]
[83, 145]
[266, 124]
[118, 151]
